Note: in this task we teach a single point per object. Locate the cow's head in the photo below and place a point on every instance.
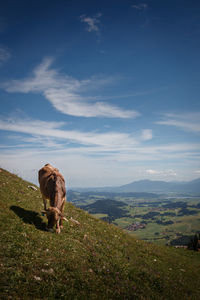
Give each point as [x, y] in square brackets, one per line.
[53, 215]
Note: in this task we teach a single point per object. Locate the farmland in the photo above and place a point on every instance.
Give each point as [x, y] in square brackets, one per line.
[162, 219]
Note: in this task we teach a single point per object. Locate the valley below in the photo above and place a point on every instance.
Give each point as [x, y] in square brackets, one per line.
[166, 219]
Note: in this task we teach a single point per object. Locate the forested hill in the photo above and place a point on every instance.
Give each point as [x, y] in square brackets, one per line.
[92, 260]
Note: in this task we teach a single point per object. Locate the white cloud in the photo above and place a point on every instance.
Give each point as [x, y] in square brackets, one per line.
[66, 94]
[188, 122]
[96, 165]
[146, 134]
[54, 130]
[92, 22]
[93, 158]
[121, 146]
[152, 172]
[163, 172]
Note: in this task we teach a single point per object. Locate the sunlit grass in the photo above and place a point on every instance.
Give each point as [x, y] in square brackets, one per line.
[93, 260]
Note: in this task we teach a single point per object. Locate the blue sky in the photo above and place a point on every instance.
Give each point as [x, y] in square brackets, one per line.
[107, 91]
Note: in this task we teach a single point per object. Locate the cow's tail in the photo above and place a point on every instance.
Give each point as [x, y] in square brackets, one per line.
[56, 193]
[54, 190]
[54, 175]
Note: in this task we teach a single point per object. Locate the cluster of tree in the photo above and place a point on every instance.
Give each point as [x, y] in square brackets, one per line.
[172, 214]
[114, 209]
[187, 212]
[109, 219]
[178, 204]
[149, 215]
[194, 243]
[160, 222]
[182, 240]
[150, 203]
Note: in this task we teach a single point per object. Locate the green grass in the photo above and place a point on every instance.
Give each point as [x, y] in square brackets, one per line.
[99, 216]
[93, 260]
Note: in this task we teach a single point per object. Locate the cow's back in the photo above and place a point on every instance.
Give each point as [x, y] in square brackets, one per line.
[51, 181]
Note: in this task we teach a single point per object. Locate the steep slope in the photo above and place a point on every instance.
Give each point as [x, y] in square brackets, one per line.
[93, 260]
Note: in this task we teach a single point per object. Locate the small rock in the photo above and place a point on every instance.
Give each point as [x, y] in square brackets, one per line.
[90, 270]
[37, 278]
[32, 187]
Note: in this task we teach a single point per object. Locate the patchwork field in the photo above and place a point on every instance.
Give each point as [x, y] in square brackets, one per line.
[161, 219]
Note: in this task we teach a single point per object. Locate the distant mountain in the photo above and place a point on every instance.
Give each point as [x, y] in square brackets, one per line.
[150, 186]
[147, 186]
[162, 186]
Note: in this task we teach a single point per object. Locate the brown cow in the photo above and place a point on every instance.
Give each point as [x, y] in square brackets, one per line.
[52, 187]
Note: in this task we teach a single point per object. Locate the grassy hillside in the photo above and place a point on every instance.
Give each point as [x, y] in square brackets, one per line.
[93, 260]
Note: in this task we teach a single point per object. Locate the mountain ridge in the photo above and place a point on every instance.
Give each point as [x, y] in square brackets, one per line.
[146, 185]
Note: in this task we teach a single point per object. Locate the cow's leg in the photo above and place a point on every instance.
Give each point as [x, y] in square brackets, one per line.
[58, 227]
[62, 210]
[45, 202]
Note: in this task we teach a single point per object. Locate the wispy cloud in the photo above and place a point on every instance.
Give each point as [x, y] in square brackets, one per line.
[188, 122]
[140, 6]
[4, 54]
[97, 165]
[67, 94]
[116, 157]
[146, 134]
[92, 23]
[54, 130]
[121, 146]
[161, 172]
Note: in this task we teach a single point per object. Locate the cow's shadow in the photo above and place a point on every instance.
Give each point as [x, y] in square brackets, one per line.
[29, 217]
